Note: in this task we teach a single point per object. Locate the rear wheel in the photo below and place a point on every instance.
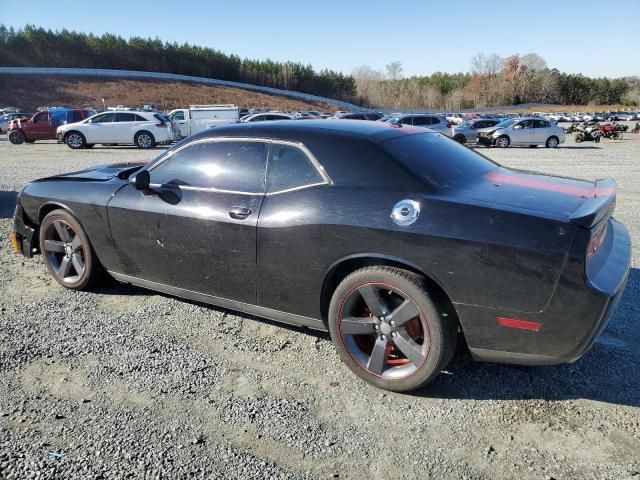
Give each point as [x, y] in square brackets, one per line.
[503, 142]
[144, 139]
[552, 142]
[579, 137]
[67, 252]
[75, 140]
[617, 135]
[460, 138]
[387, 330]
[16, 137]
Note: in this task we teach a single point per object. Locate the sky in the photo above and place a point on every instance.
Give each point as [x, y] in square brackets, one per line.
[575, 36]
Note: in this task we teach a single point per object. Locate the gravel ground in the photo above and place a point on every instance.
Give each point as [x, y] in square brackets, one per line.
[127, 383]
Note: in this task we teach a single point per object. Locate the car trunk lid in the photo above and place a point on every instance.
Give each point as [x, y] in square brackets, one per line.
[579, 201]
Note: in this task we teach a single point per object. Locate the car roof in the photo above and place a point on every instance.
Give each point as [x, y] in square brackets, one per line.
[292, 129]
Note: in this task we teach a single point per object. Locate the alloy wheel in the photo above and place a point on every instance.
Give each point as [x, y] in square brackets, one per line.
[384, 331]
[74, 140]
[144, 140]
[64, 250]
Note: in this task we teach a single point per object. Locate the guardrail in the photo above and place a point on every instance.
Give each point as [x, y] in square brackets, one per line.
[132, 74]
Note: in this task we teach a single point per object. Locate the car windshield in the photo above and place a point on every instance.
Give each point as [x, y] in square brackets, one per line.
[505, 123]
[466, 124]
[438, 160]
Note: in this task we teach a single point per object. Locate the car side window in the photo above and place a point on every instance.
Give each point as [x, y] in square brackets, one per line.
[76, 116]
[407, 121]
[526, 124]
[125, 117]
[140, 118]
[104, 118]
[233, 166]
[289, 167]
[177, 116]
[541, 124]
[42, 117]
[421, 121]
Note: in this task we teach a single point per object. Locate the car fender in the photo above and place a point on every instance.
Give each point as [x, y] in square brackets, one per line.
[393, 259]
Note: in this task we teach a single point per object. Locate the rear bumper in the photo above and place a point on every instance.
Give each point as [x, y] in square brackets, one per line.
[577, 314]
[23, 234]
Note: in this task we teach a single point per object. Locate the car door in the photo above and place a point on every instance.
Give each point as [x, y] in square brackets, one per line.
[541, 131]
[179, 119]
[522, 133]
[99, 129]
[123, 127]
[40, 127]
[196, 229]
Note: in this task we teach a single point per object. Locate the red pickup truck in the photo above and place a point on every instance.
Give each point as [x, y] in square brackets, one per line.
[43, 125]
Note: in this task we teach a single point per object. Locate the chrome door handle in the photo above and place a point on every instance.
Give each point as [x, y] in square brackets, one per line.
[239, 213]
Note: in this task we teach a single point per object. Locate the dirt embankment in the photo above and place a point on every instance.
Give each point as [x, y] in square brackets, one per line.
[32, 91]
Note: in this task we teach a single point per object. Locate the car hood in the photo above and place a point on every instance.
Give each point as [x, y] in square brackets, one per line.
[101, 173]
[555, 197]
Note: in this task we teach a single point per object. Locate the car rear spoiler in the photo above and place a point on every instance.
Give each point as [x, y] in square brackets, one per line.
[598, 206]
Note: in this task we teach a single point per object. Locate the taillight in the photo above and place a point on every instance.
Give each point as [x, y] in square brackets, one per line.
[596, 241]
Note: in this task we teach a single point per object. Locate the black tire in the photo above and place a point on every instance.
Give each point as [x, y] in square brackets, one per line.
[552, 142]
[460, 139]
[75, 140]
[433, 334]
[64, 253]
[29, 141]
[533, 146]
[503, 141]
[144, 140]
[16, 137]
[579, 137]
[598, 139]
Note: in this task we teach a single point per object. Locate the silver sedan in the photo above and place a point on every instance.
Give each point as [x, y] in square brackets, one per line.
[468, 131]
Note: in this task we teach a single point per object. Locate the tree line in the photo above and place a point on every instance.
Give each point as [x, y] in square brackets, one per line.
[37, 47]
[492, 81]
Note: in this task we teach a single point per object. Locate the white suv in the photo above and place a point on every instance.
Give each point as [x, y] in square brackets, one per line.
[143, 129]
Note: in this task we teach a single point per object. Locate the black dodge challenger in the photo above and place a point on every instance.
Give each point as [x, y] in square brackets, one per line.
[396, 239]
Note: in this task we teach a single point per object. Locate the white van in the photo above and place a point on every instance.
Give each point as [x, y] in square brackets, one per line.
[197, 118]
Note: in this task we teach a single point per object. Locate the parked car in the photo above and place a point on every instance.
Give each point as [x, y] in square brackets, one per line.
[143, 129]
[468, 131]
[6, 119]
[43, 125]
[267, 219]
[359, 116]
[261, 117]
[455, 118]
[435, 122]
[197, 118]
[523, 131]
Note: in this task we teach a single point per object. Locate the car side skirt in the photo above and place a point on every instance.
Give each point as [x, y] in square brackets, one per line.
[268, 313]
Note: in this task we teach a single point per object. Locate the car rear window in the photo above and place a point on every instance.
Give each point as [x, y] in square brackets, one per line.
[438, 160]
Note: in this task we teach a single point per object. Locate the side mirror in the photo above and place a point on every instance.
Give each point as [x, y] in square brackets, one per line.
[141, 180]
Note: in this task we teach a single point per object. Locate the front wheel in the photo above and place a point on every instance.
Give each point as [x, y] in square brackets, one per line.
[387, 330]
[552, 142]
[617, 135]
[75, 140]
[16, 137]
[144, 139]
[579, 138]
[67, 252]
[502, 142]
[460, 138]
